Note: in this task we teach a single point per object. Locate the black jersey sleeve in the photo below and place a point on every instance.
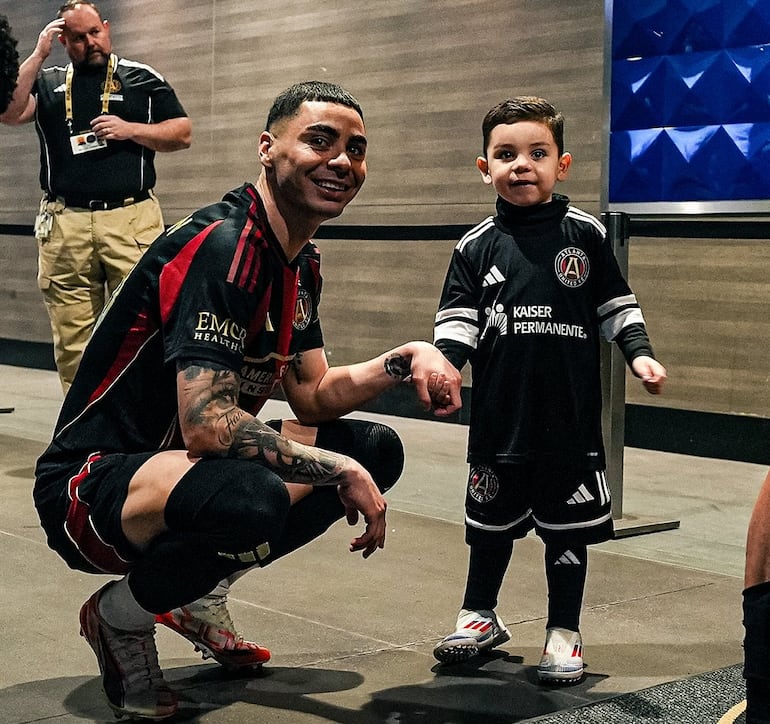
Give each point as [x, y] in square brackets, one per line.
[617, 306]
[308, 333]
[210, 310]
[634, 342]
[456, 352]
[456, 328]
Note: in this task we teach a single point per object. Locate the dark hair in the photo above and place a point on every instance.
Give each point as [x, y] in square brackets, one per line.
[287, 103]
[525, 108]
[72, 4]
[9, 64]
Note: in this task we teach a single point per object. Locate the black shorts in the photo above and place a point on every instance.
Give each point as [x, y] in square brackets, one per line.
[80, 499]
[505, 502]
[83, 519]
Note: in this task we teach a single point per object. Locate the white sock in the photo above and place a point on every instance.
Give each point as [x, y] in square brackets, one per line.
[118, 607]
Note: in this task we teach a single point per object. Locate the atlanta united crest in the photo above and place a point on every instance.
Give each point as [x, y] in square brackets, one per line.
[572, 266]
[483, 484]
[302, 310]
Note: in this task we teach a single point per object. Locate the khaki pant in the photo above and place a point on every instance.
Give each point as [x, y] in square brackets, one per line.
[81, 262]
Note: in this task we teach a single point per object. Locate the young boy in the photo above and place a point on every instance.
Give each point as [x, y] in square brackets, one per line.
[525, 298]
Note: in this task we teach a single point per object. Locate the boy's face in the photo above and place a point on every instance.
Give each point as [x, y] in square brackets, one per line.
[523, 163]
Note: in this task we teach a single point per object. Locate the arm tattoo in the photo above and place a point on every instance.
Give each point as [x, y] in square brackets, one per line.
[397, 366]
[213, 398]
[296, 367]
[214, 402]
[291, 461]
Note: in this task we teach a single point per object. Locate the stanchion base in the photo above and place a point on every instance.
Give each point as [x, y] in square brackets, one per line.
[630, 525]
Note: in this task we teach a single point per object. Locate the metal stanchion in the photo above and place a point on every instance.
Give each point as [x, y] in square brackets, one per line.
[613, 373]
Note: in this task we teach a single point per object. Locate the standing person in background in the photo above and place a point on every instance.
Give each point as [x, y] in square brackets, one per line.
[100, 121]
[756, 611]
[9, 64]
[527, 295]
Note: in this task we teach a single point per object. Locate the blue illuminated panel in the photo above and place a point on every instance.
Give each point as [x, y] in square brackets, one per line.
[690, 101]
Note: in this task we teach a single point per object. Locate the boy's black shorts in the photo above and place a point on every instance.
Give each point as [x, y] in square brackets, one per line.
[505, 502]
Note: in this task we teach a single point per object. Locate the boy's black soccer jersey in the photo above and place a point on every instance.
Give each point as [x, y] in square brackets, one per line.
[526, 296]
[216, 288]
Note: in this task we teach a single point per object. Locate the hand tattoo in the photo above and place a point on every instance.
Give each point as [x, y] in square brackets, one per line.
[398, 367]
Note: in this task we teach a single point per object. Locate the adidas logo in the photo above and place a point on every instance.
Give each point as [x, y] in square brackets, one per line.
[568, 558]
[581, 495]
[493, 276]
[478, 624]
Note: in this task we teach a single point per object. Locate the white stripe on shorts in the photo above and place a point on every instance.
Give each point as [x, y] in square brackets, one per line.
[573, 526]
[485, 526]
[604, 489]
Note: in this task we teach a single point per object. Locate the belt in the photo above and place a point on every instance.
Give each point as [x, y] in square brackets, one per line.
[100, 204]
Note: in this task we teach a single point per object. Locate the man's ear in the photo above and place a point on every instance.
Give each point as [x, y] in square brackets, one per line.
[483, 167]
[264, 147]
[564, 163]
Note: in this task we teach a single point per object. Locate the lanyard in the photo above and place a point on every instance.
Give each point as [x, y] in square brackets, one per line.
[111, 63]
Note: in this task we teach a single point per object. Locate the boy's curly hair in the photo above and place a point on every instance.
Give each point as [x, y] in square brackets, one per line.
[9, 64]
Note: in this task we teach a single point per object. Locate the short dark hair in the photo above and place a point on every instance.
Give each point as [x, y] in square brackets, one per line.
[9, 64]
[525, 108]
[72, 4]
[287, 103]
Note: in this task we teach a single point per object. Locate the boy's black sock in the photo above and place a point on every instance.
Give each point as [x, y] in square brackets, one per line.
[486, 571]
[565, 572]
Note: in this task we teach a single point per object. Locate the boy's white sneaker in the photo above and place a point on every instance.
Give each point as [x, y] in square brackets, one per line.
[475, 631]
[562, 659]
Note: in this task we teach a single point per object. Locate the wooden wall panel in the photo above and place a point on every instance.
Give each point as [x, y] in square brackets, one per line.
[378, 294]
[706, 306]
[23, 313]
[425, 72]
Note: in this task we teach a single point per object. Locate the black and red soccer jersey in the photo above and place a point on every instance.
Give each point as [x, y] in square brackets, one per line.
[527, 295]
[217, 288]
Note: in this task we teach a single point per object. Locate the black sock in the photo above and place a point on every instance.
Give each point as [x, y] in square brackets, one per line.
[565, 572]
[757, 701]
[756, 652]
[486, 570]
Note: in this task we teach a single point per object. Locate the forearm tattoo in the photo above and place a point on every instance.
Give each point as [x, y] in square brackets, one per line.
[213, 396]
[214, 402]
[291, 461]
[397, 366]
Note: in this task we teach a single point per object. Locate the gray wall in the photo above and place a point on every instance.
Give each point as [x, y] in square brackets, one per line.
[425, 73]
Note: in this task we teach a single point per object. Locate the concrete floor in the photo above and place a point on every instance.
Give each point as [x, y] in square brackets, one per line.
[352, 639]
